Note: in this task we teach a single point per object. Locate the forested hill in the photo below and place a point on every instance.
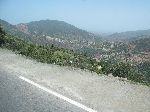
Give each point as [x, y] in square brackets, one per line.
[51, 31]
[57, 28]
[141, 45]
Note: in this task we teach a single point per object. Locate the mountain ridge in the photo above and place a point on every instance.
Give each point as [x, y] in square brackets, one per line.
[128, 35]
[55, 32]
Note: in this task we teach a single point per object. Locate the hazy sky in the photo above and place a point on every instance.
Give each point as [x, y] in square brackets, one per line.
[91, 15]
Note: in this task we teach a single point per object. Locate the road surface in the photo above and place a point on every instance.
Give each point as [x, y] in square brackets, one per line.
[17, 95]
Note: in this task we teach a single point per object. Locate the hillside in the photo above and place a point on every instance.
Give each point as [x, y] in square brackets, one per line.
[50, 32]
[59, 29]
[66, 57]
[12, 30]
[142, 45]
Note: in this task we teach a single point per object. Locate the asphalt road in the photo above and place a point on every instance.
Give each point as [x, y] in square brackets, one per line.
[18, 96]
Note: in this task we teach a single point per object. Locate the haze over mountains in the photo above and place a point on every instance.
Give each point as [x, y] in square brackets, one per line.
[61, 29]
[129, 35]
[62, 34]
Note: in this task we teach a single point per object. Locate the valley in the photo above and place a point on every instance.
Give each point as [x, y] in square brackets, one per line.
[74, 56]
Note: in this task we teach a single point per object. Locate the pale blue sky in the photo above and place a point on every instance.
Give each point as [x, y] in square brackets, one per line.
[91, 15]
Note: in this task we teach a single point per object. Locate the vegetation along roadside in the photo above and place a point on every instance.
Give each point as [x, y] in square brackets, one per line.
[65, 57]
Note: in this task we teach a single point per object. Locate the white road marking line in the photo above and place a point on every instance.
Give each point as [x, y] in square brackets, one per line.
[58, 95]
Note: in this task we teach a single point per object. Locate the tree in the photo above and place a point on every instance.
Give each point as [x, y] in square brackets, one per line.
[2, 35]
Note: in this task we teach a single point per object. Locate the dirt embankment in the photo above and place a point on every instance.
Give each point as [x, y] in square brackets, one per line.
[103, 93]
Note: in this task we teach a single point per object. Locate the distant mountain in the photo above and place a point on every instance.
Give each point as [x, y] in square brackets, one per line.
[129, 35]
[51, 32]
